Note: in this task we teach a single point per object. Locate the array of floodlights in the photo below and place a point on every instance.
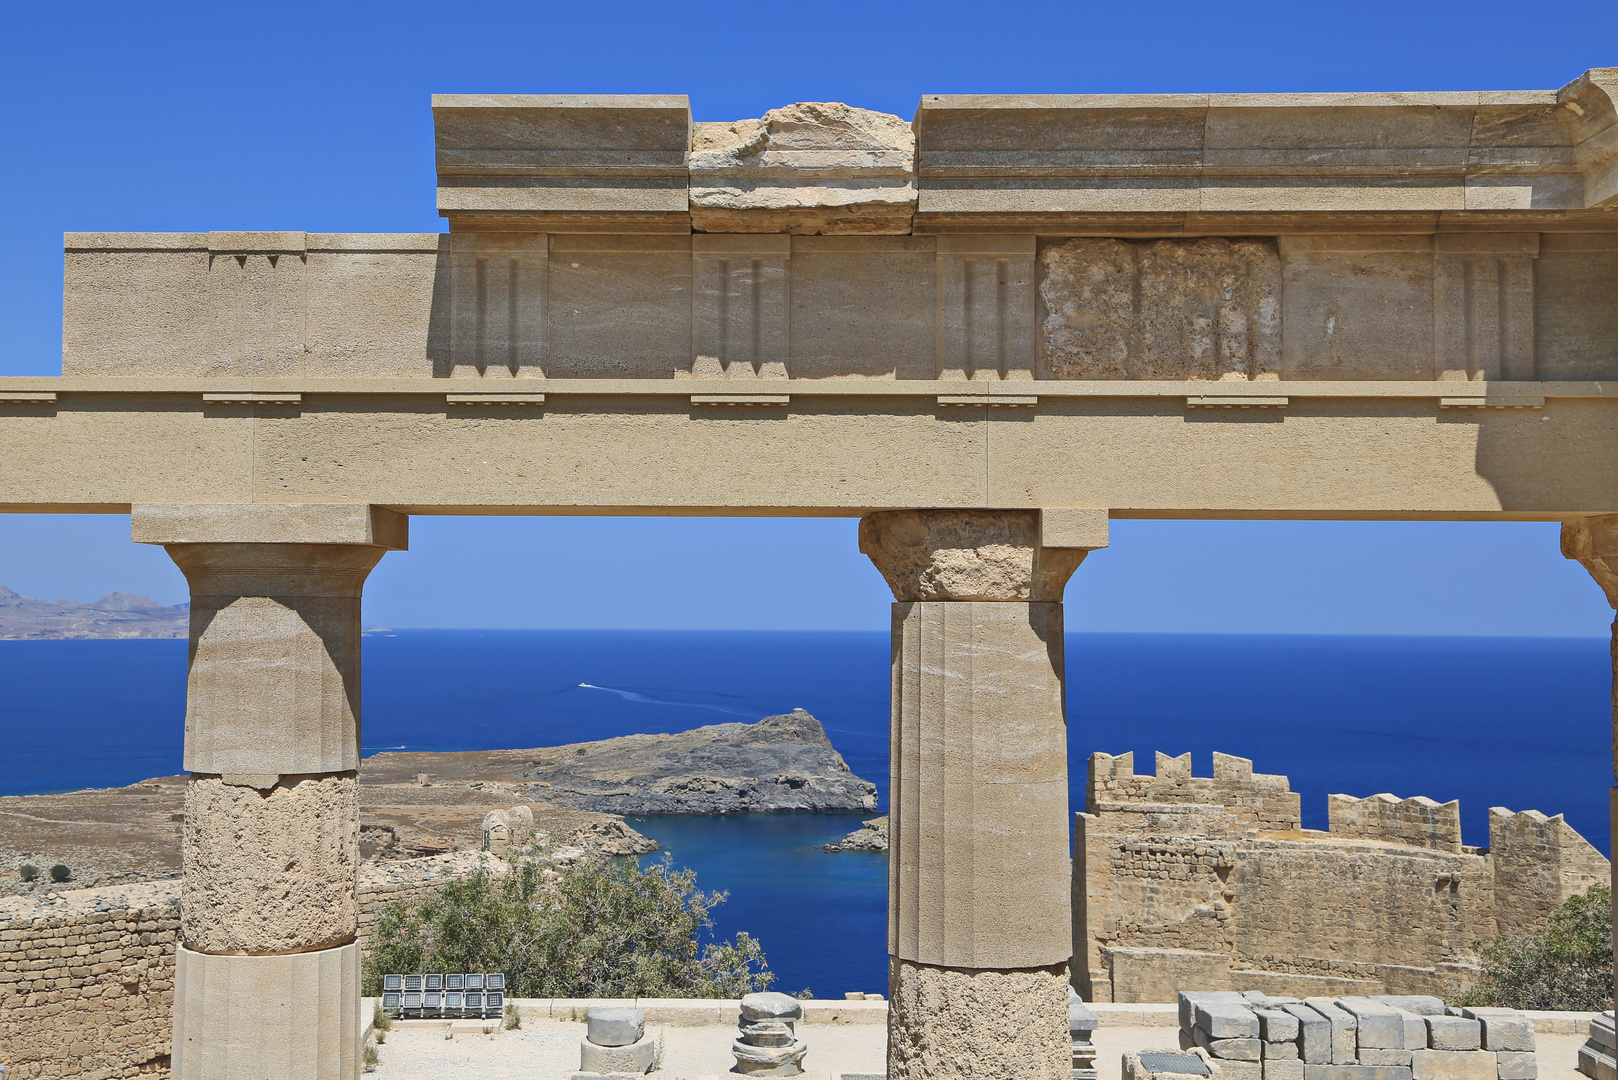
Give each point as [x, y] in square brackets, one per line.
[448, 996]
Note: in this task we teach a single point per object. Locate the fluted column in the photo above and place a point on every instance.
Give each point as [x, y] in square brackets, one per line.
[267, 974]
[1593, 541]
[979, 925]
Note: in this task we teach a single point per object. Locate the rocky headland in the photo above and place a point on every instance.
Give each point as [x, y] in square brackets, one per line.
[782, 764]
[116, 615]
[872, 836]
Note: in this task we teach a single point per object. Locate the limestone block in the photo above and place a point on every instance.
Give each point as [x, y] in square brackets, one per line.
[270, 870]
[1239, 1070]
[966, 555]
[289, 1017]
[1277, 1025]
[768, 1032]
[272, 523]
[979, 781]
[771, 1006]
[615, 1027]
[496, 832]
[811, 167]
[1420, 1004]
[1314, 1034]
[1188, 1000]
[1453, 1065]
[1356, 1072]
[1278, 1069]
[1357, 307]
[1577, 329]
[1161, 309]
[1344, 1029]
[618, 306]
[1503, 1029]
[1230, 1049]
[1374, 1056]
[952, 1024]
[1517, 1064]
[1597, 1061]
[1227, 1021]
[1453, 1033]
[1378, 1026]
[1416, 1036]
[633, 1058]
[768, 1060]
[850, 293]
[1281, 1051]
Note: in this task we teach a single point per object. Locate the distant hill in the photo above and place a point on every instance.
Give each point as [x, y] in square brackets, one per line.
[116, 615]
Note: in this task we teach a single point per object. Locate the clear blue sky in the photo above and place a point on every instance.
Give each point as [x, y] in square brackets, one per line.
[305, 116]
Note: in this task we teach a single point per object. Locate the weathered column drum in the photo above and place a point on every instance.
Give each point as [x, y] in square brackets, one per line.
[979, 929]
[267, 982]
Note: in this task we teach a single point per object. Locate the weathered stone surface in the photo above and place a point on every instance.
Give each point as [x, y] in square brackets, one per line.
[953, 1024]
[1453, 1065]
[496, 832]
[1314, 1034]
[781, 763]
[1278, 1069]
[1420, 1004]
[1378, 1026]
[871, 836]
[966, 555]
[1453, 1033]
[1230, 1049]
[1281, 1051]
[1517, 1065]
[1277, 1025]
[270, 871]
[768, 1032]
[1161, 309]
[811, 167]
[1374, 1056]
[1344, 1029]
[771, 1006]
[1356, 1072]
[614, 1027]
[291, 1017]
[1226, 1021]
[1503, 1029]
[630, 1058]
[1188, 1000]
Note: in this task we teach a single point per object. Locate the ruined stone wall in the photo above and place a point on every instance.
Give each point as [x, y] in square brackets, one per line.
[1228, 892]
[87, 976]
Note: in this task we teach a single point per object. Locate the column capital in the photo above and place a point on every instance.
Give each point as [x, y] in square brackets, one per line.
[982, 555]
[269, 523]
[1593, 542]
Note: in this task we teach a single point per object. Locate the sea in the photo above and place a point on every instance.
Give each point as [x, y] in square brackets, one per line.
[1515, 722]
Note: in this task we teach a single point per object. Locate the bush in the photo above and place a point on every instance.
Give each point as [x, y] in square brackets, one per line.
[605, 930]
[28, 872]
[370, 1056]
[60, 873]
[381, 1019]
[1565, 967]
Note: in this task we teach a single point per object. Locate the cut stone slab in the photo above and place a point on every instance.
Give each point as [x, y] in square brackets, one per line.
[1379, 1026]
[768, 1060]
[1190, 999]
[1517, 1065]
[1314, 1034]
[615, 1027]
[1277, 1026]
[1229, 1049]
[1281, 1051]
[1415, 1029]
[1453, 1065]
[1371, 1056]
[1420, 1004]
[1344, 1030]
[1276, 1069]
[1504, 1029]
[1226, 1021]
[1454, 1033]
[772, 1006]
[1356, 1072]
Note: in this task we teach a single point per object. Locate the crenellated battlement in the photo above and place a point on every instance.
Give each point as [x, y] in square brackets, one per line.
[1262, 801]
[1417, 821]
[1539, 862]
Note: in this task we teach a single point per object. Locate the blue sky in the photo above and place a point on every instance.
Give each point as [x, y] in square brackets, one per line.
[315, 117]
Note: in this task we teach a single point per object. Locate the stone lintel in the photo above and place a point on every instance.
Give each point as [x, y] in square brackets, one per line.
[269, 523]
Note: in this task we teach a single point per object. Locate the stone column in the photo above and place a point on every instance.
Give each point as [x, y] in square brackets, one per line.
[267, 983]
[979, 927]
[1593, 541]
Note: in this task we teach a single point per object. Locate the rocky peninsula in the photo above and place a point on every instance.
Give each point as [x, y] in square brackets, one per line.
[116, 615]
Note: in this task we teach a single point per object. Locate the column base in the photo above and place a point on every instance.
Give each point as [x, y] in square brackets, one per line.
[288, 1017]
[966, 1024]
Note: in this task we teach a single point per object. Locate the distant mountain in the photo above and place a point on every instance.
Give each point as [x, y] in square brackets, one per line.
[116, 615]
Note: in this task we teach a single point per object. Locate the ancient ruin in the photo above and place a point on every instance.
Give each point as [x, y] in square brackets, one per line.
[985, 332]
[1212, 882]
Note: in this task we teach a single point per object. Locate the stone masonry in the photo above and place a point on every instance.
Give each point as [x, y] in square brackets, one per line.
[1182, 880]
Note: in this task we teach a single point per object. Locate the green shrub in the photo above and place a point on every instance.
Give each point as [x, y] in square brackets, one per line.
[370, 1056]
[513, 1018]
[60, 873]
[1565, 967]
[608, 929]
[380, 1018]
[28, 872]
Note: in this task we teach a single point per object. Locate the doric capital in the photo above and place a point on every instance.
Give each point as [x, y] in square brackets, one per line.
[966, 555]
[1593, 541]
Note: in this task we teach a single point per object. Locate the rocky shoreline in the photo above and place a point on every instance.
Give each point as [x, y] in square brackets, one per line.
[872, 836]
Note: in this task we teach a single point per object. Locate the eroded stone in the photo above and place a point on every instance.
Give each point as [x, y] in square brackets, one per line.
[955, 1024]
[966, 555]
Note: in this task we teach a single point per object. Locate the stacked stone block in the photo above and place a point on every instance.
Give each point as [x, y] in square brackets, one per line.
[1253, 1036]
[769, 1043]
[1081, 1026]
[1598, 1058]
[615, 1044]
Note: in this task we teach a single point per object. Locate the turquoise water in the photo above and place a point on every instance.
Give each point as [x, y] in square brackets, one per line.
[1522, 723]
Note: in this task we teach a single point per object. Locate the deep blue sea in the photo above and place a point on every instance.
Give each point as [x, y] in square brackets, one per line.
[1515, 722]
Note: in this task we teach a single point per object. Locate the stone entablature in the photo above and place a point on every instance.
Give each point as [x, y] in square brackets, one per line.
[1182, 880]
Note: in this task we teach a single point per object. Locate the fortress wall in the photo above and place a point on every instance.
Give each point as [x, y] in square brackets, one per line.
[1539, 862]
[1171, 893]
[1418, 821]
[87, 980]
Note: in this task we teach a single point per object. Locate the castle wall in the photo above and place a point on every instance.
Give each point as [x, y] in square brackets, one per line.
[1227, 892]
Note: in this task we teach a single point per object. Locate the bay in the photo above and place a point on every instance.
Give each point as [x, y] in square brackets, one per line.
[1515, 722]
